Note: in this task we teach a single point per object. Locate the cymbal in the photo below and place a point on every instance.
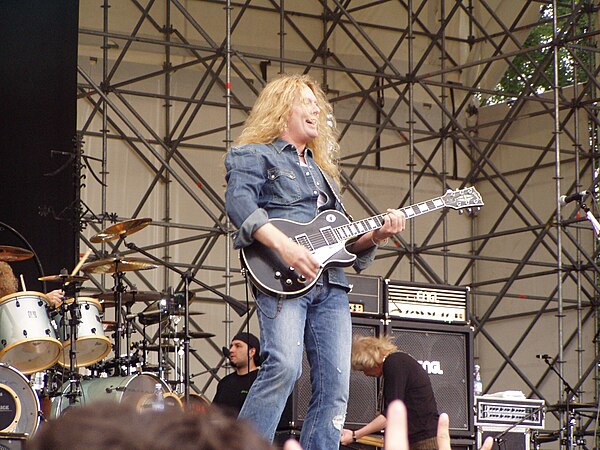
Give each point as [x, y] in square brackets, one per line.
[66, 278]
[193, 335]
[118, 264]
[129, 297]
[120, 230]
[153, 316]
[572, 405]
[156, 312]
[9, 253]
[164, 347]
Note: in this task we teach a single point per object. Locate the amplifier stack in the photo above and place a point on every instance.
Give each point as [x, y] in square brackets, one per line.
[430, 322]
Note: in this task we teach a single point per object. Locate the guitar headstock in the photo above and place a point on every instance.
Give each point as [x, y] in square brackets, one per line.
[462, 198]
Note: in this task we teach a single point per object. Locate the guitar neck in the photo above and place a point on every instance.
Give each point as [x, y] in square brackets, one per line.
[359, 227]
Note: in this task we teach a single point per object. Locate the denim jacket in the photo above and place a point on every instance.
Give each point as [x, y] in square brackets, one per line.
[266, 181]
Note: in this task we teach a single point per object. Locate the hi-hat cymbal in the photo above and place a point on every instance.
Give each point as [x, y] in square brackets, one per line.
[153, 316]
[129, 297]
[193, 335]
[120, 230]
[66, 278]
[164, 348]
[9, 253]
[156, 312]
[118, 264]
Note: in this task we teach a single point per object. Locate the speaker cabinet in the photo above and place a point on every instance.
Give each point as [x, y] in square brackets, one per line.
[362, 404]
[445, 351]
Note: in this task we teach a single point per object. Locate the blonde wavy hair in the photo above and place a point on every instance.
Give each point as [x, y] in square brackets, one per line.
[368, 351]
[8, 282]
[269, 116]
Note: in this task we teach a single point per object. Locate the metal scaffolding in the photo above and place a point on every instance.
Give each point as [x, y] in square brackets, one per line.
[169, 82]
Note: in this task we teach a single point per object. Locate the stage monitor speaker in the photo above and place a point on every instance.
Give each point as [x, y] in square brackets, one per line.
[445, 352]
[362, 404]
[508, 441]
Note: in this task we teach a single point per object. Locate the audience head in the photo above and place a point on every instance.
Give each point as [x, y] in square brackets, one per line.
[102, 426]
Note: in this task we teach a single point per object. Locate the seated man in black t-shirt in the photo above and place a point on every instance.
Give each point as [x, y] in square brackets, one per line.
[403, 378]
[244, 356]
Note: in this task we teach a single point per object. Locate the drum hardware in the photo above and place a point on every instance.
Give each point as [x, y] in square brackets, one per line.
[8, 253]
[117, 265]
[187, 278]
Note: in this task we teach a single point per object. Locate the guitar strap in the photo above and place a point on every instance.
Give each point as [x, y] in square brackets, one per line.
[331, 186]
[335, 194]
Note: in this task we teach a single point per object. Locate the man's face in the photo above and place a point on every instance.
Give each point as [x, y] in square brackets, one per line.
[303, 121]
[238, 353]
[373, 371]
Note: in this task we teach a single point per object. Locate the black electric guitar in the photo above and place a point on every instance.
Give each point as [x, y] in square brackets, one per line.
[326, 236]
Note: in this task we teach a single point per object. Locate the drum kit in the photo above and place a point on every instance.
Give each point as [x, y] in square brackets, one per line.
[44, 351]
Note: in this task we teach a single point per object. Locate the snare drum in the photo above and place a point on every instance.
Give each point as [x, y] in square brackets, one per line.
[91, 344]
[27, 340]
[132, 390]
[19, 405]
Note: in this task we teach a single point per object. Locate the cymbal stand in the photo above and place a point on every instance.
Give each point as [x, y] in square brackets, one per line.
[119, 289]
[187, 278]
[128, 332]
[73, 313]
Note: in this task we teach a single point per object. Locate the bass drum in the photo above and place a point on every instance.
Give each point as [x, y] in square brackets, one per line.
[19, 404]
[131, 390]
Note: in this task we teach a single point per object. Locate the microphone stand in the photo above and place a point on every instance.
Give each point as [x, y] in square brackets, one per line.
[570, 394]
[187, 277]
[498, 438]
[590, 217]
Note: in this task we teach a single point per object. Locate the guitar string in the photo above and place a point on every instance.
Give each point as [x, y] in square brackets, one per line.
[316, 240]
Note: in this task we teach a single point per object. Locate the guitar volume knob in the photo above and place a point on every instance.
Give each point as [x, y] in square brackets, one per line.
[277, 275]
[288, 282]
[301, 279]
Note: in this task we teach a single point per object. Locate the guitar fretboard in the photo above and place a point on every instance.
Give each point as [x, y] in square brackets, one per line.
[330, 236]
[357, 228]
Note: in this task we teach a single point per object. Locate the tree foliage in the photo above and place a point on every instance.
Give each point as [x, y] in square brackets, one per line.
[533, 72]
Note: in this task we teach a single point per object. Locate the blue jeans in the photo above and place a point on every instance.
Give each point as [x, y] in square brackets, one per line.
[320, 319]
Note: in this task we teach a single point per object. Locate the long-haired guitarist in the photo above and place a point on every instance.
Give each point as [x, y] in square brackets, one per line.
[284, 167]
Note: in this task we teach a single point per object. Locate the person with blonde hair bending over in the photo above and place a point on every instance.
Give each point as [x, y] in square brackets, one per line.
[402, 378]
